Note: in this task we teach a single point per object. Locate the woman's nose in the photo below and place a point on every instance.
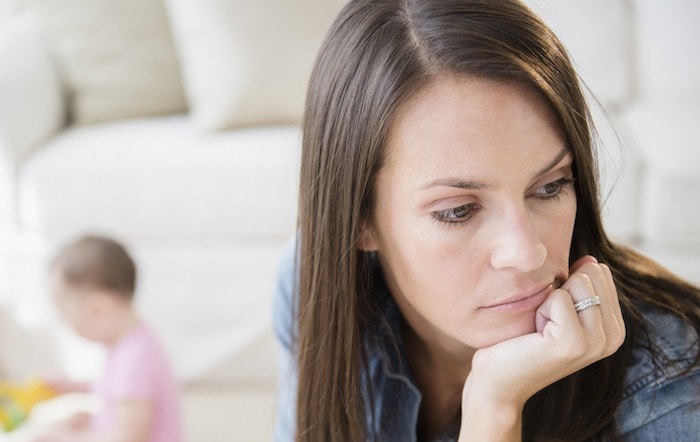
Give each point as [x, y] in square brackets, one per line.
[517, 244]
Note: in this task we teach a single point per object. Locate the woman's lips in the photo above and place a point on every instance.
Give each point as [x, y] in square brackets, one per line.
[522, 303]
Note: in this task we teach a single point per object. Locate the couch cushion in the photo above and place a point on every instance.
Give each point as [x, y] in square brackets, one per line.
[31, 105]
[248, 62]
[667, 48]
[668, 137]
[598, 35]
[117, 58]
[211, 304]
[158, 178]
[620, 169]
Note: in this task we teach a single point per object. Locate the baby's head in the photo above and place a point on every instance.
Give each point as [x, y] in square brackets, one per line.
[93, 281]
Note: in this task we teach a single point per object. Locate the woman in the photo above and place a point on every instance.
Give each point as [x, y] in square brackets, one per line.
[452, 277]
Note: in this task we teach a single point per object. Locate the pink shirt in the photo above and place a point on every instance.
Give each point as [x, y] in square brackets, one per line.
[137, 368]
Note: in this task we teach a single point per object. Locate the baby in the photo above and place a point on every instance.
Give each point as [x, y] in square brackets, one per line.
[92, 283]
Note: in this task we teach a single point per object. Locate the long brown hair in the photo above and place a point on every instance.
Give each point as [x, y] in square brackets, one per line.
[376, 55]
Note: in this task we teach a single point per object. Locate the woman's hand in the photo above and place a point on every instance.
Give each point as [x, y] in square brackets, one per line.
[504, 376]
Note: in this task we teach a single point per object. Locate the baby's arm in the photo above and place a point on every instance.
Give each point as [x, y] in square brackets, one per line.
[132, 423]
[65, 386]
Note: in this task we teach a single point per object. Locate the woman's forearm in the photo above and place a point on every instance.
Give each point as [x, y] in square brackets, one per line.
[486, 419]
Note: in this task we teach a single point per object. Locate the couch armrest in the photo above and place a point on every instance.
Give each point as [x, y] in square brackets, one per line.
[32, 106]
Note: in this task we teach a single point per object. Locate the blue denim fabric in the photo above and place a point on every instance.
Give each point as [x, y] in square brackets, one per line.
[657, 405]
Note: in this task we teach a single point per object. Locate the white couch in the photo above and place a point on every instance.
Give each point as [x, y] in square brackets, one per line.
[186, 148]
[96, 135]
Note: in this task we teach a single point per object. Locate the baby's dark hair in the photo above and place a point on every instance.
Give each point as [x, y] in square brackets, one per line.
[95, 262]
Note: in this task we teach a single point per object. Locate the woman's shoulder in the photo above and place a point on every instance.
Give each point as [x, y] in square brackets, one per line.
[662, 384]
[670, 348]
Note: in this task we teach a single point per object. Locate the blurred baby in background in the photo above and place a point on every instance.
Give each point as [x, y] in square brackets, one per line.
[92, 283]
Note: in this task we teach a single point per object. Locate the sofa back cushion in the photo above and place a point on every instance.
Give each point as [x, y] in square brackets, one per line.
[598, 35]
[116, 57]
[667, 50]
[248, 62]
[158, 179]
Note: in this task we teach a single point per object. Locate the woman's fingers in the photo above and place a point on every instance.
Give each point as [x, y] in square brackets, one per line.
[583, 286]
[604, 321]
[587, 259]
[555, 315]
[614, 320]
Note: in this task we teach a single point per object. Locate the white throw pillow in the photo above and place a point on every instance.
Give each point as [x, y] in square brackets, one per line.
[116, 57]
[667, 50]
[248, 62]
[598, 35]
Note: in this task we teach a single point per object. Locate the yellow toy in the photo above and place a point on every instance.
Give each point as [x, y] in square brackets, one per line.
[17, 401]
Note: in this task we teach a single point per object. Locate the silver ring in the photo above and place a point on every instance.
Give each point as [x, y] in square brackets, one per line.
[585, 303]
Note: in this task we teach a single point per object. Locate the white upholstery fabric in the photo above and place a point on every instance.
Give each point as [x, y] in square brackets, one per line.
[31, 105]
[668, 136]
[159, 178]
[620, 166]
[7, 9]
[117, 57]
[248, 62]
[217, 326]
[31, 102]
[682, 260]
[668, 48]
[597, 33]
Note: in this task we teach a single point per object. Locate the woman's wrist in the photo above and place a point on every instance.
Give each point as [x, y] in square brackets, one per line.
[493, 422]
[484, 417]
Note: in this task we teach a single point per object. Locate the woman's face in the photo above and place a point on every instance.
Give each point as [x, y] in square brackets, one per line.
[474, 210]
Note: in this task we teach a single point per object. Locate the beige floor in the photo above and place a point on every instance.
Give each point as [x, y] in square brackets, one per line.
[210, 414]
[233, 414]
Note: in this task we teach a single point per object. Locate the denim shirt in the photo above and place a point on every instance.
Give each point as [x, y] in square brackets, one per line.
[657, 404]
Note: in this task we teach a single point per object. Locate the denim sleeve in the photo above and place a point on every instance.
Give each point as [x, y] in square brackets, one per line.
[665, 412]
[661, 398]
[680, 424]
[283, 323]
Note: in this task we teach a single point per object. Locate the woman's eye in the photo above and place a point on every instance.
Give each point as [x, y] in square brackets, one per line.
[456, 214]
[552, 190]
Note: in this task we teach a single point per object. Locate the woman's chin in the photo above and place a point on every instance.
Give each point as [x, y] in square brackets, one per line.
[508, 331]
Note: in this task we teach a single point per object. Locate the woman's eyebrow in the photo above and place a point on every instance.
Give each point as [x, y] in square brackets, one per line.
[477, 185]
[458, 183]
[560, 156]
